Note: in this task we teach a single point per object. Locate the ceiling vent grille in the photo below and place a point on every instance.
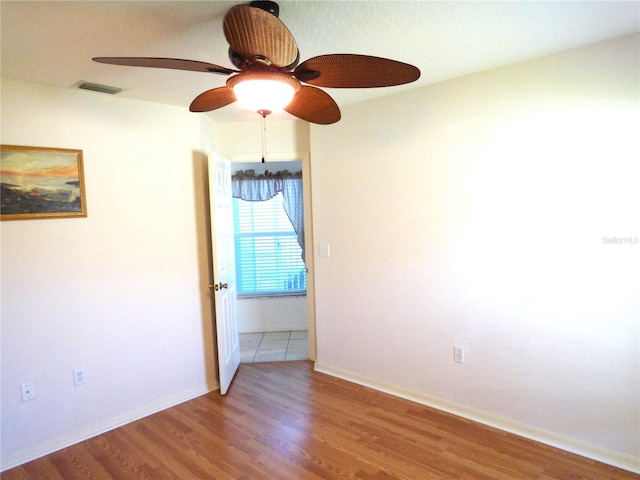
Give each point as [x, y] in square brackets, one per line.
[96, 87]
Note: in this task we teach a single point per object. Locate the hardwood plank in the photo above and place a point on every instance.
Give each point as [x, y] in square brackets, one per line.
[44, 470]
[77, 462]
[284, 421]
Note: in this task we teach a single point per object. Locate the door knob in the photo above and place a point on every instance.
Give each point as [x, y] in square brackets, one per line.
[219, 286]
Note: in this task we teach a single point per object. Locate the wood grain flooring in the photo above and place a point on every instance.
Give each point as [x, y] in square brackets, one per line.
[285, 421]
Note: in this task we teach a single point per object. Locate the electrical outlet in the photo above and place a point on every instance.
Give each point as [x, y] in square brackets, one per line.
[28, 391]
[79, 377]
[458, 354]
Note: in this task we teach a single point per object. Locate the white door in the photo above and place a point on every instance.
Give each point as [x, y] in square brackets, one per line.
[224, 270]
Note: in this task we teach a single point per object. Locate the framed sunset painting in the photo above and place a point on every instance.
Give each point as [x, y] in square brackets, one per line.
[40, 182]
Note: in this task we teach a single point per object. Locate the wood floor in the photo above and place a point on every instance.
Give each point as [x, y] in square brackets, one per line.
[284, 421]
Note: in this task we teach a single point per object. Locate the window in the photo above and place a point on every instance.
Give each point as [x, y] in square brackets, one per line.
[268, 256]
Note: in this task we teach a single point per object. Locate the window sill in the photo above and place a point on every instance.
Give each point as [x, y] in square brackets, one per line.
[271, 295]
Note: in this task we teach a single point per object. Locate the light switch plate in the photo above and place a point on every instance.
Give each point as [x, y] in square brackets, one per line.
[324, 250]
[458, 354]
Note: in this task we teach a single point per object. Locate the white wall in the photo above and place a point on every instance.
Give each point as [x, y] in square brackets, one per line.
[286, 138]
[472, 213]
[272, 314]
[122, 293]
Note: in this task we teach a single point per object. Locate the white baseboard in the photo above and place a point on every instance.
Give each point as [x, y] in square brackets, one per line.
[616, 459]
[31, 453]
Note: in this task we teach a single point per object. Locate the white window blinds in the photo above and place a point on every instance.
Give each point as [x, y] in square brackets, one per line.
[268, 256]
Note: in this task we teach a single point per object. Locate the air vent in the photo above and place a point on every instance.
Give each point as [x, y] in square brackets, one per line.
[96, 87]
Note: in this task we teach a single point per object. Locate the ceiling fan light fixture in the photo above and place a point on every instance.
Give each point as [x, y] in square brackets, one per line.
[264, 92]
[269, 76]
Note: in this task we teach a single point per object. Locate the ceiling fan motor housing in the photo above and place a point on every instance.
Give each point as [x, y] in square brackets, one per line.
[272, 7]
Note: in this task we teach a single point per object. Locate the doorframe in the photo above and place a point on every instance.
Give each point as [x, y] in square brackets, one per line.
[304, 159]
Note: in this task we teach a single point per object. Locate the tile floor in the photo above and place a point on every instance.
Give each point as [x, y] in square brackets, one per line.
[274, 346]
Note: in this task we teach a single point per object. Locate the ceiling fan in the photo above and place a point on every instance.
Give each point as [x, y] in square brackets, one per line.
[268, 76]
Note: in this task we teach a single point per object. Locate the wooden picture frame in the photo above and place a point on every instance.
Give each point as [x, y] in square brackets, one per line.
[41, 182]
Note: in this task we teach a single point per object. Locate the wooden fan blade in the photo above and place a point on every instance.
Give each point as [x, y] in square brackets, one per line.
[213, 99]
[314, 105]
[173, 63]
[355, 71]
[256, 33]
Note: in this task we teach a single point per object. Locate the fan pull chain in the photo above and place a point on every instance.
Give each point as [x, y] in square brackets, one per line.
[264, 135]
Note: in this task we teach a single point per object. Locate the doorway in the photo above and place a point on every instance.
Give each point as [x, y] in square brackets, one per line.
[273, 321]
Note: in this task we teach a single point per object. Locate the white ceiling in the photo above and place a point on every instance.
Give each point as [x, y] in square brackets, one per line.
[52, 42]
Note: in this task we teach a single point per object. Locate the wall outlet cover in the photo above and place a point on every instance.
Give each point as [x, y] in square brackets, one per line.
[79, 377]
